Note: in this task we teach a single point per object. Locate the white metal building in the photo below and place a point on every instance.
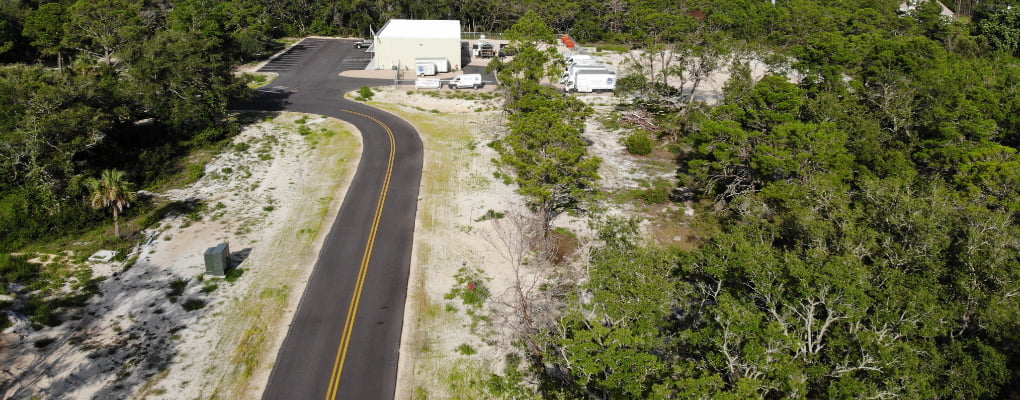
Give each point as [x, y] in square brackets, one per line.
[401, 41]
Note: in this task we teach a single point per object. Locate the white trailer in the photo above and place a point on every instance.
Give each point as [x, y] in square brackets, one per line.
[424, 68]
[587, 81]
[442, 64]
[571, 70]
[581, 58]
[427, 83]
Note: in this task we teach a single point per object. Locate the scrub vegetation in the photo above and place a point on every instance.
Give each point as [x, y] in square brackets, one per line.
[857, 206]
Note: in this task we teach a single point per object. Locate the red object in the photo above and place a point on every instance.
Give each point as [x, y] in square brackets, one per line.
[567, 41]
[471, 286]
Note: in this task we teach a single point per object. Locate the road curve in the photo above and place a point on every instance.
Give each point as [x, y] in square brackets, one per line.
[350, 316]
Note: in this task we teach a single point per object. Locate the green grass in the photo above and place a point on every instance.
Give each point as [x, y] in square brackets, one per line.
[254, 314]
[463, 95]
[470, 288]
[466, 349]
[257, 80]
[447, 143]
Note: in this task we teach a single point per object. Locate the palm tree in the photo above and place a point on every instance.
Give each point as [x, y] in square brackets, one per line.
[111, 190]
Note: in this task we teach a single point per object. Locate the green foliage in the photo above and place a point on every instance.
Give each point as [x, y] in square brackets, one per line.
[466, 349]
[804, 301]
[210, 287]
[44, 342]
[615, 48]
[655, 192]
[490, 214]
[530, 28]
[177, 287]
[1002, 29]
[365, 93]
[192, 304]
[544, 153]
[42, 313]
[112, 191]
[16, 269]
[639, 143]
[470, 288]
[233, 275]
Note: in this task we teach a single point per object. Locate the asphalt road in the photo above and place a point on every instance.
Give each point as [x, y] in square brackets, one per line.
[344, 339]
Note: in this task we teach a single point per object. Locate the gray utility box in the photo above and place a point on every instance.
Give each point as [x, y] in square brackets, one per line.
[217, 260]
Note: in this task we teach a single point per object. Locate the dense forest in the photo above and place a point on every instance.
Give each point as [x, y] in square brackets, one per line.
[864, 239]
[863, 196]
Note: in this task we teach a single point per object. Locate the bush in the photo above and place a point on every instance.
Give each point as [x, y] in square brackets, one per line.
[193, 304]
[5, 321]
[42, 314]
[619, 48]
[639, 143]
[194, 172]
[469, 288]
[16, 269]
[466, 349]
[656, 192]
[210, 287]
[365, 93]
[44, 342]
[491, 214]
[177, 287]
[233, 275]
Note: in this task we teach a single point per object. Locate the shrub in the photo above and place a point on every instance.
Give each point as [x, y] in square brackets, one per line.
[210, 287]
[193, 172]
[44, 342]
[42, 314]
[491, 214]
[656, 192]
[365, 93]
[619, 48]
[466, 349]
[16, 269]
[193, 304]
[638, 143]
[177, 287]
[469, 288]
[232, 275]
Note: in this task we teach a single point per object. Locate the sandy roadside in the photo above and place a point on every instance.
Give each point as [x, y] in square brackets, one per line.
[266, 197]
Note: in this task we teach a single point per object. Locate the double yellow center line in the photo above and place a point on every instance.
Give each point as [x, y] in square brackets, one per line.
[352, 311]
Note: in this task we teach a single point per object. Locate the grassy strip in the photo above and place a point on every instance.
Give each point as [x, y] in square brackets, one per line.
[249, 324]
[449, 150]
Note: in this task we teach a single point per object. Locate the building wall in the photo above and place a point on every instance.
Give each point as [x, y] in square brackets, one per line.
[391, 51]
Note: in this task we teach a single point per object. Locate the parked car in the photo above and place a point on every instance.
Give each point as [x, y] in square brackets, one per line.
[363, 44]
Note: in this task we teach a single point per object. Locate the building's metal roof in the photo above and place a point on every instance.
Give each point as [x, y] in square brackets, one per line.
[420, 29]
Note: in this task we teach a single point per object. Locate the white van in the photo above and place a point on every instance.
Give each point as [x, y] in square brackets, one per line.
[473, 81]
